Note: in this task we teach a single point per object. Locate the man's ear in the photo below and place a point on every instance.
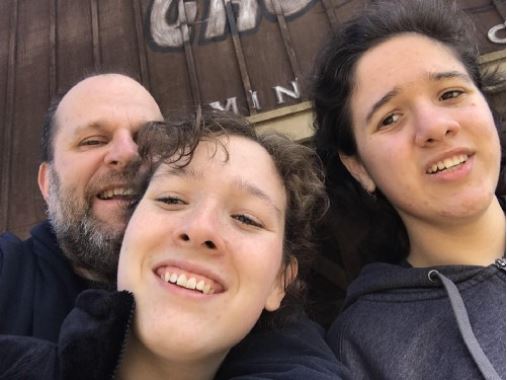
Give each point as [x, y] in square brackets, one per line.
[43, 180]
[283, 280]
[358, 171]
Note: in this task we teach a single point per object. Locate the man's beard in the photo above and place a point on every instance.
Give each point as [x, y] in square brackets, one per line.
[90, 244]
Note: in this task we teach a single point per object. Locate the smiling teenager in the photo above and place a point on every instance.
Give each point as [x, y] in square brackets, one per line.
[413, 157]
[218, 243]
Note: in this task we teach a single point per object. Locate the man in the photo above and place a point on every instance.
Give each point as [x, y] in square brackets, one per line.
[86, 177]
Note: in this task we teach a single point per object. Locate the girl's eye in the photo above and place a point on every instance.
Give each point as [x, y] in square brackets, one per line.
[391, 119]
[247, 220]
[171, 200]
[451, 94]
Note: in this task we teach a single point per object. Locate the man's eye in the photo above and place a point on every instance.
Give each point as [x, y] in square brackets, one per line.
[391, 119]
[247, 220]
[171, 200]
[451, 94]
[92, 142]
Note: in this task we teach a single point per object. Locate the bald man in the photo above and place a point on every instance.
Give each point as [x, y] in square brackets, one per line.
[86, 178]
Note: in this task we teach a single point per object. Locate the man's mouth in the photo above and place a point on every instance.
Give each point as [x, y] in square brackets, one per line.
[447, 164]
[190, 281]
[120, 193]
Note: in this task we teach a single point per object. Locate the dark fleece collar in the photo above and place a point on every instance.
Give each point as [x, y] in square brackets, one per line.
[94, 334]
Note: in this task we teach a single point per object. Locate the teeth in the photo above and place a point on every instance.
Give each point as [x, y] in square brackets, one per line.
[108, 194]
[447, 163]
[182, 281]
[188, 283]
[191, 283]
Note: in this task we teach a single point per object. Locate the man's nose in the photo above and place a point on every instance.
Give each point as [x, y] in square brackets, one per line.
[123, 150]
[434, 124]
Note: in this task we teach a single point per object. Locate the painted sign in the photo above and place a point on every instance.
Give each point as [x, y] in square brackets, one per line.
[166, 18]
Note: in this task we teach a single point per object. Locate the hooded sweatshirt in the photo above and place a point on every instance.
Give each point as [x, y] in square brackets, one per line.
[400, 322]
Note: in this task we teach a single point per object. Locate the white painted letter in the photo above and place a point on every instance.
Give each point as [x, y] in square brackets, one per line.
[171, 35]
[247, 17]
[229, 105]
[280, 91]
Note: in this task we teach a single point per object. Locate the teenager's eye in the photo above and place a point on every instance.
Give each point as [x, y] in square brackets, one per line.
[451, 94]
[247, 220]
[391, 119]
[171, 200]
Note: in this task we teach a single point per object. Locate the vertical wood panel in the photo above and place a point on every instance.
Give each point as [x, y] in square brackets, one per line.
[141, 45]
[240, 58]
[30, 104]
[267, 62]
[52, 47]
[308, 41]
[97, 58]
[287, 41]
[189, 55]
[330, 13]
[170, 84]
[73, 42]
[118, 38]
[9, 117]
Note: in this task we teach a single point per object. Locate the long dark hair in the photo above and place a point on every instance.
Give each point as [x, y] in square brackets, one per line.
[366, 225]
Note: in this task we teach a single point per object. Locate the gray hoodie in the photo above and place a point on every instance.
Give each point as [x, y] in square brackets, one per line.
[400, 322]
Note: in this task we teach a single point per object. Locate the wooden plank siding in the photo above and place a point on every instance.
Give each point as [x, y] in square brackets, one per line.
[253, 56]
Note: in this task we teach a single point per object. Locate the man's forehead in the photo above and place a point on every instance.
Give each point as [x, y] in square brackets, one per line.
[106, 101]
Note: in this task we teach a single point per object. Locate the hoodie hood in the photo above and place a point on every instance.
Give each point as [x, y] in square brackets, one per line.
[404, 283]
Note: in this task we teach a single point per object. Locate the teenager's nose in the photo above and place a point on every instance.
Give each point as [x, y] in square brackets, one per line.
[434, 124]
[201, 230]
[123, 150]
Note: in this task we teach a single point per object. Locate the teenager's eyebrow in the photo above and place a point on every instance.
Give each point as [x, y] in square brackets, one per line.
[239, 183]
[449, 75]
[255, 191]
[383, 100]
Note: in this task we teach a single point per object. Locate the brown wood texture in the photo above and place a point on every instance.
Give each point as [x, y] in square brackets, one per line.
[47, 45]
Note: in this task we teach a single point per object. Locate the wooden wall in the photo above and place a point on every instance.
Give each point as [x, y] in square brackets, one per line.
[252, 56]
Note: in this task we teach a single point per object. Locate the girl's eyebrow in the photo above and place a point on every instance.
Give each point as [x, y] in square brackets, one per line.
[432, 76]
[383, 100]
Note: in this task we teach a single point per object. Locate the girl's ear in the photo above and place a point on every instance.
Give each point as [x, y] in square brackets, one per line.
[283, 280]
[43, 180]
[358, 171]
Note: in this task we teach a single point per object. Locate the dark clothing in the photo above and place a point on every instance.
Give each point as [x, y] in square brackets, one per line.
[410, 323]
[89, 346]
[94, 334]
[38, 289]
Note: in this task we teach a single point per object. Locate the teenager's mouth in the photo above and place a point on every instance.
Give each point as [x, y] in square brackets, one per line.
[119, 193]
[448, 163]
[190, 281]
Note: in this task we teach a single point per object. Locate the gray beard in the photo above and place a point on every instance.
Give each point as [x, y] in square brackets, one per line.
[90, 244]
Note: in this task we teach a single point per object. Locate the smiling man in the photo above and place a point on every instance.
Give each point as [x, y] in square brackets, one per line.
[87, 178]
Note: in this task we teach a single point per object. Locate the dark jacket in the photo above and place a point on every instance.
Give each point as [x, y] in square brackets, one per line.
[414, 323]
[94, 335]
[38, 289]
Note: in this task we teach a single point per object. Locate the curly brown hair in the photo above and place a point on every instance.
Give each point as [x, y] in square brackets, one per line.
[174, 142]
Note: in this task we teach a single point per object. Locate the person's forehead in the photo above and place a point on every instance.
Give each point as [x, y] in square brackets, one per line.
[106, 102]
[403, 57]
